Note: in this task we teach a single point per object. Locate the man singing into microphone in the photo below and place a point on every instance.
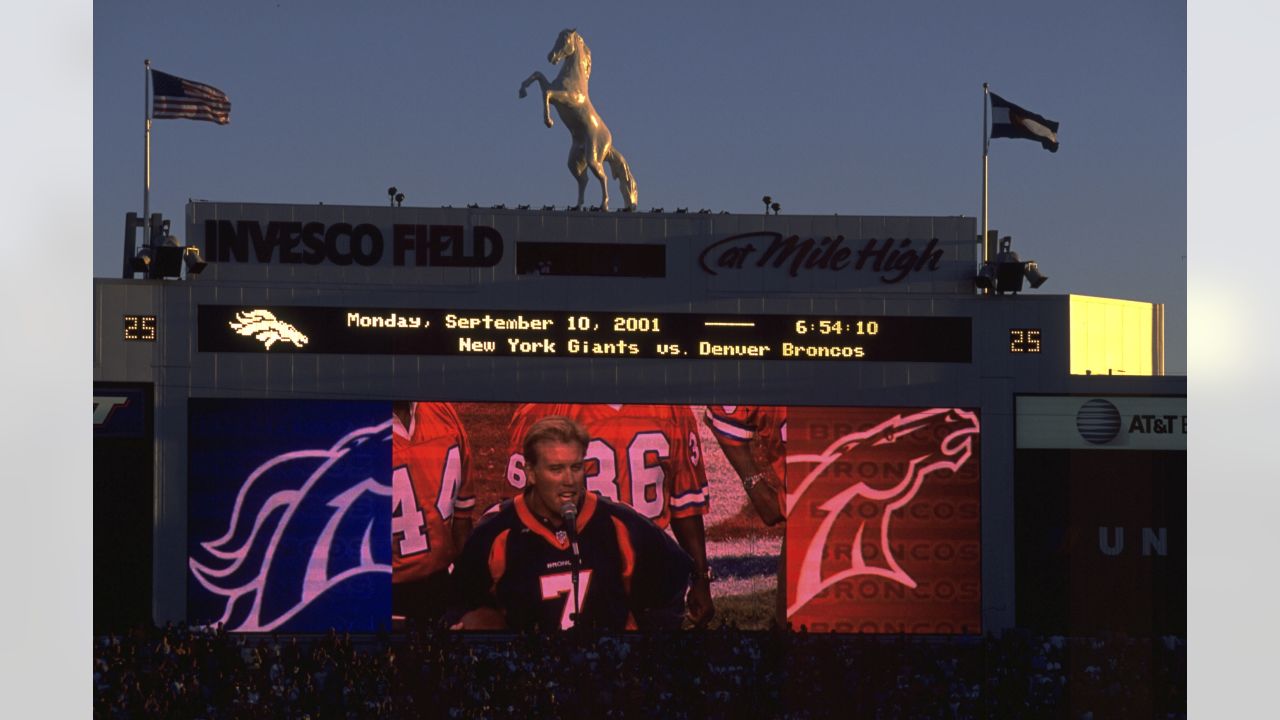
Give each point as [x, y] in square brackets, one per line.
[520, 567]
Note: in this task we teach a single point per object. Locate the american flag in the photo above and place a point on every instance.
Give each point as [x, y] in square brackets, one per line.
[173, 97]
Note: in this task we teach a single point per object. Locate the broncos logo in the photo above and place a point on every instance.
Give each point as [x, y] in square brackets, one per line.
[263, 326]
[302, 523]
[817, 571]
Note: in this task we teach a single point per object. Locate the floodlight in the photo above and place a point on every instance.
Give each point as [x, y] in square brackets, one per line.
[168, 259]
[986, 278]
[1034, 276]
[1006, 273]
[141, 262]
[194, 262]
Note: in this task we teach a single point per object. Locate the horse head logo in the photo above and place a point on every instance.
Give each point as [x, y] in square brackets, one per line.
[954, 430]
[263, 326]
[592, 143]
[302, 523]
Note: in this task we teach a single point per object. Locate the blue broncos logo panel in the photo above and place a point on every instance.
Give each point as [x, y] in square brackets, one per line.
[289, 515]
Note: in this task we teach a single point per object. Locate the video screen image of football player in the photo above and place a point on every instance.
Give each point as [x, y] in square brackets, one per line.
[558, 556]
[431, 505]
[648, 457]
[754, 438]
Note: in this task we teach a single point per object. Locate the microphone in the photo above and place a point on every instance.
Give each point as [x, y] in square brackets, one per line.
[569, 513]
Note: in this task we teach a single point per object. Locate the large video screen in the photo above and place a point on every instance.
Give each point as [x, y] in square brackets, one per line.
[306, 515]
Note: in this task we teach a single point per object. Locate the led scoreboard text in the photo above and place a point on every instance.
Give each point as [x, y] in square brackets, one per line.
[139, 328]
[400, 331]
[1024, 340]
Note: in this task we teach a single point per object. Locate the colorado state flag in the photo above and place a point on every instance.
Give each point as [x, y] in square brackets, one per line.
[1010, 121]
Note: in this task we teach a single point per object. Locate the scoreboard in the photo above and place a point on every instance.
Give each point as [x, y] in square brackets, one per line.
[387, 331]
[862, 336]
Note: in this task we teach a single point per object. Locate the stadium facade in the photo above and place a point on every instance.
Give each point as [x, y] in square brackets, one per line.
[1077, 476]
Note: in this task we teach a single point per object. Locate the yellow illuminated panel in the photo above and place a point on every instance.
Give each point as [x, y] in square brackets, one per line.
[1111, 337]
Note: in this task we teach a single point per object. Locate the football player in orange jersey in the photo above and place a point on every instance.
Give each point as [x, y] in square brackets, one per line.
[531, 565]
[645, 456]
[754, 438]
[431, 505]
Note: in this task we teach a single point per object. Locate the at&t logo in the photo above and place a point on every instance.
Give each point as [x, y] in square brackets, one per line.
[1098, 421]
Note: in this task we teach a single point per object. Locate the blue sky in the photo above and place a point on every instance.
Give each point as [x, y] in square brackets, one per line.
[849, 108]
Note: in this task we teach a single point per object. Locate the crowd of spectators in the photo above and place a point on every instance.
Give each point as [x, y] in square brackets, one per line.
[177, 671]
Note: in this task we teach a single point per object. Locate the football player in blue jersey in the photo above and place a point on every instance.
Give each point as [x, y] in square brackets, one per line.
[556, 556]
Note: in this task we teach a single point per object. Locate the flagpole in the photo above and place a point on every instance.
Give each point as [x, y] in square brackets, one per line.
[146, 163]
[986, 143]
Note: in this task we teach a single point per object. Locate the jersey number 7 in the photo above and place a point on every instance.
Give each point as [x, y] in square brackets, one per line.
[553, 586]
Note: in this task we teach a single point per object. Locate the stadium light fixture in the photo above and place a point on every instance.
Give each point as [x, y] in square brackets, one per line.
[159, 259]
[168, 259]
[986, 278]
[141, 262]
[192, 259]
[1034, 276]
[1007, 272]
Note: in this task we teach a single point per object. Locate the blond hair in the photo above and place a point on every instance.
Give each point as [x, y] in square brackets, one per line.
[553, 428]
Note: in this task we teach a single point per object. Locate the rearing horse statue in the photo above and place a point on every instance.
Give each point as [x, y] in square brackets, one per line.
[592, 142]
